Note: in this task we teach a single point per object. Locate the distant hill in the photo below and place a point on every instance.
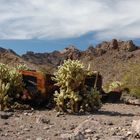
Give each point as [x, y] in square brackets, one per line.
[10, 58]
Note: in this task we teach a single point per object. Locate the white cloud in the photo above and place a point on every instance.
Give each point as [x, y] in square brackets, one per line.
[27, 19]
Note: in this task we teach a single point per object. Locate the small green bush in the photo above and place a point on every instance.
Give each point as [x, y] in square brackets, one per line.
[131, 79]
[115, 85]
[136, 91]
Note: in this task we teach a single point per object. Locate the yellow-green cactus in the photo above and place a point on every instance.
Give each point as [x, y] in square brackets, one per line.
[69, 73]
[11, 79]
[22, 67]
[4, 72]
[3, 93]
[74, 95]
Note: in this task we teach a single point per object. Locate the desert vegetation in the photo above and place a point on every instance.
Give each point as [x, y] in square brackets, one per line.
[131, 79]
[74, 94]
[11, 86]
[73, 97]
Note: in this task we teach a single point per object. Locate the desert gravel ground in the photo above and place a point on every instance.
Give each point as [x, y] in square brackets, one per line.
[111, 122]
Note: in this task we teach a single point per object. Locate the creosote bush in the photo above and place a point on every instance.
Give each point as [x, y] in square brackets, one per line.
[74, 95]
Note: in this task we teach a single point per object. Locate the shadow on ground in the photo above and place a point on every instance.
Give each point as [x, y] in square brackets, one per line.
[113, 113]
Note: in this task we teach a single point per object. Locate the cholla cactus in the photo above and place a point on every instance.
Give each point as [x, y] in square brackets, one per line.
[69, 73]
[59, 98]
[74, 95]
[11, 79]
[91, 100]
[4, 70]
[22, 67]
[3, 94]
[16, 84]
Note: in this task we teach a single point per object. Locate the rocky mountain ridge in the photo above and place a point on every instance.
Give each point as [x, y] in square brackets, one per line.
[111, 58]
[72, 52]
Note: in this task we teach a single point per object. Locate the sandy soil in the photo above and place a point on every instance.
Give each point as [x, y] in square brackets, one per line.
[113, 122]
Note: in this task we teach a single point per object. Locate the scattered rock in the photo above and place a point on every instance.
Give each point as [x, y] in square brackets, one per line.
[46, 121]
[5, 115]
[31, 126]
[72, 136]
[64, 118]
[109, 123]
[66, 136]
[63, 128]
[115, 138]
[129, 133]
[56, 134]
[6, 134]
[87, 124]
[26, 129]
[22, 126]
[136, 127]
[51, 126]
[26, 114]
[39, 138]
[42, 119]
[59, 114]
[88, 131]
[129, 99]
[46, 128]
[20, 133]
[6, 123]
[72, 127]
[97, 136]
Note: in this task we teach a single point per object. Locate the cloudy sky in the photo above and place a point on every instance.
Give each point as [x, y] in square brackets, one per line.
[46, 25]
